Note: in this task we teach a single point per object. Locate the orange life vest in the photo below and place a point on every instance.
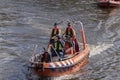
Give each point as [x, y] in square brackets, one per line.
[55, 32]
[69, 31]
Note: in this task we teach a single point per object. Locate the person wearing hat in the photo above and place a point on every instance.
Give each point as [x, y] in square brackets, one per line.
[55, 31]
[70, 32]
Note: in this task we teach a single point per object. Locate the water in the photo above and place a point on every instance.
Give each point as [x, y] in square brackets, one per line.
[25, 23]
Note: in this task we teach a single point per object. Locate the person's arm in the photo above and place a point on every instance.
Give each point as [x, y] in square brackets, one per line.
[74, 33]
[59, 31]
[51, 34]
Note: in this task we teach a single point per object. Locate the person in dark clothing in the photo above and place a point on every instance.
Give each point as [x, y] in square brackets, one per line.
[45, 57]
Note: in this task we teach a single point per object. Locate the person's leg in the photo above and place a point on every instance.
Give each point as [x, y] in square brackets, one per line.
[52, 41]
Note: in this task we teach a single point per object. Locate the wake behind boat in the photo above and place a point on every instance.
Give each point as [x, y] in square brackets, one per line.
[71, 62]
[108, 3]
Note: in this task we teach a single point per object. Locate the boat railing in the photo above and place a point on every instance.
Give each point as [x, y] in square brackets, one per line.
[82, 33]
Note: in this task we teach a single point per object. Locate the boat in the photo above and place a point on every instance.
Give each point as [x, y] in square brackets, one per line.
[70, 63]
[108, 3]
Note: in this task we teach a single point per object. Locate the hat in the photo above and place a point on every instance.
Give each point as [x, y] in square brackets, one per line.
[55, 24]
[69, 24]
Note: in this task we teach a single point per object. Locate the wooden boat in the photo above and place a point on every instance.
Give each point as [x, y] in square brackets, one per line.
[72, 62]
[108, 3]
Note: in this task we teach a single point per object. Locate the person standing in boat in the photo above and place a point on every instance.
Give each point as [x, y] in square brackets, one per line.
[70, 32]
[55, 31]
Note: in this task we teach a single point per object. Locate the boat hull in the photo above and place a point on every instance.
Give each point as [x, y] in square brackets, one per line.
[63, 67]
[103, 3]
[61, 71]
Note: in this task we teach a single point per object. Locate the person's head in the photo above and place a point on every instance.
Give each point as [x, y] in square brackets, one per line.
[55, 25]
[69, 24]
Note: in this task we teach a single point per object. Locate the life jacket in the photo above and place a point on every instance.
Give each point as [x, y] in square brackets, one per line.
[55, 32]
[58, 46]
[69, 31]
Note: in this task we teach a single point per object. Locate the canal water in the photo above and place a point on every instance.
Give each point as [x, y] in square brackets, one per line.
[26, 23]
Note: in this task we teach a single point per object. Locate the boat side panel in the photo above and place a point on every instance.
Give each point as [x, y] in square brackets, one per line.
[68, 62]
[61, 71]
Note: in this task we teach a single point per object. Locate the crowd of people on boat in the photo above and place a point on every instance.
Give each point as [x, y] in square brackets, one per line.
[61, 45]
